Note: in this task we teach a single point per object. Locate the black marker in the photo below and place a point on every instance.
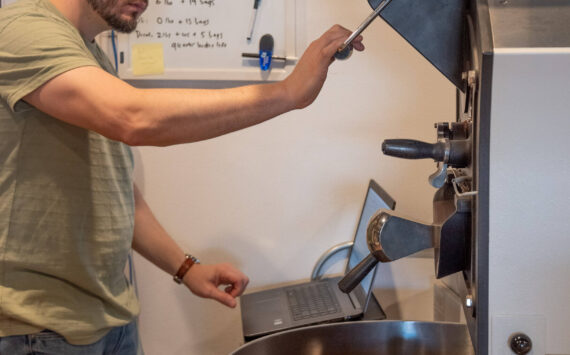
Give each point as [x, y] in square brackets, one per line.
[253, 16]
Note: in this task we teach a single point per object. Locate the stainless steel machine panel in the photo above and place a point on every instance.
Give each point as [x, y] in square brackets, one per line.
[500, 228]
[529, 23]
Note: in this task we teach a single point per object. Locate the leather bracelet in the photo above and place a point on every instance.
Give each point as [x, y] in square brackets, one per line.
[186, 265]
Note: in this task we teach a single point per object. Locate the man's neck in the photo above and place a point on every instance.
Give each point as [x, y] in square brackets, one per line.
[82, 16]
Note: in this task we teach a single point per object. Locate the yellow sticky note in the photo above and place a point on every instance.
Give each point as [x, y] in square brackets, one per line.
[147, 59]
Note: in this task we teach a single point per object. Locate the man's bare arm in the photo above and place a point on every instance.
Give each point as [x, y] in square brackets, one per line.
[155, 244]
[90, 98]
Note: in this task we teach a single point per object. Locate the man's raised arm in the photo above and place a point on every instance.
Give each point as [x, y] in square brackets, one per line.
[89, 97]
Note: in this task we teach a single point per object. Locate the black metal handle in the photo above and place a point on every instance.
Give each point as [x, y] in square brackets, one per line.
[459, 154]
[412, 149]
[354, 276]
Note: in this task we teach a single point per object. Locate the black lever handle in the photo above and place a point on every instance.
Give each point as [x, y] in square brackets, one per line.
[354, 276]
[458, 154]
[412, 149]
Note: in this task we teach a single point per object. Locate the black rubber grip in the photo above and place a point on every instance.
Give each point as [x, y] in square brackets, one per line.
[459, 150]
[354, 276]
[412, 149]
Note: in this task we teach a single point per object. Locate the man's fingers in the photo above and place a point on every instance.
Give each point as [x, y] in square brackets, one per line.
[237, 288]
[336, 37]
[236, 281]
[336, 32]
[357, 44]
[222, 297]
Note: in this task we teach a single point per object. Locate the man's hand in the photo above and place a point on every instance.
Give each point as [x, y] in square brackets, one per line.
[308, 77]
[203, 281]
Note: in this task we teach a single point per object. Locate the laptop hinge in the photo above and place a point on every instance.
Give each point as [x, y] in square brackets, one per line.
[354, 300]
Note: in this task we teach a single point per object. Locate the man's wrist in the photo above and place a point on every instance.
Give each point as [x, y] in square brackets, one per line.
[189, 261]
[286, 95]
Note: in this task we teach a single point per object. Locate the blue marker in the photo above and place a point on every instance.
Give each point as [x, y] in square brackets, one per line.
[265, 51]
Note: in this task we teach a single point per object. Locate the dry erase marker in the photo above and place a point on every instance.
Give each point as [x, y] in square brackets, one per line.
[253, 16]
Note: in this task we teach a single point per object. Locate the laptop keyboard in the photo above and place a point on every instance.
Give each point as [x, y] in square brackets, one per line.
[310, 301]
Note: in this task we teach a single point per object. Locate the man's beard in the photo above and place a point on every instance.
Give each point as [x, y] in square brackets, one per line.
[104, 8]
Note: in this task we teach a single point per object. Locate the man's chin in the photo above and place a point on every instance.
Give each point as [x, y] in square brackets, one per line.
[124, 27]
[125, 30]
[123, 24]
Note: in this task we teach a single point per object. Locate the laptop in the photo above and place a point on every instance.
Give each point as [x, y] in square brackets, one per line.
[318, 301]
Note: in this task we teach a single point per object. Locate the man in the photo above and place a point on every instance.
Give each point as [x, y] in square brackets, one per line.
[69, 211]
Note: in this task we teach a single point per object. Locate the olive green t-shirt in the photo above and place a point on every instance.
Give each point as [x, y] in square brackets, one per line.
[66, 193]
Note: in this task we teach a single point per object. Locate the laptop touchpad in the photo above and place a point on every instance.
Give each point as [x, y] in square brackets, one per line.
[270, 311]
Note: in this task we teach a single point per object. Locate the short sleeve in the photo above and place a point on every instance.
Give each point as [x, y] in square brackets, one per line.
[35, 49]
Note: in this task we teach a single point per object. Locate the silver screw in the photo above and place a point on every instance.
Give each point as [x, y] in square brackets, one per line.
[521, 343]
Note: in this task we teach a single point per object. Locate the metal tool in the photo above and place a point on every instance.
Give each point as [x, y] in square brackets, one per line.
[345, 51]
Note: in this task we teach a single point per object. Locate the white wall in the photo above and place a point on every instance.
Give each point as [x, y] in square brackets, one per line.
[272, 198]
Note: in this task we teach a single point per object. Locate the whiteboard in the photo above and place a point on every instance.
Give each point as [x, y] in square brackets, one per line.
[205, 39]
[6, 2]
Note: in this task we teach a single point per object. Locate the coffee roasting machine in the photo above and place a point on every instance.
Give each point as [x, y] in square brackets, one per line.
[501, 211]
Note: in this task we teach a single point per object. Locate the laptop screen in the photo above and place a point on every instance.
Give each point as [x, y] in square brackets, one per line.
[376, 198]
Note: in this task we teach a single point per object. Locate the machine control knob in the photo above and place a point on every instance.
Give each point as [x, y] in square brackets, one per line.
[442, 130]
[438, 178]
[520, 343]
